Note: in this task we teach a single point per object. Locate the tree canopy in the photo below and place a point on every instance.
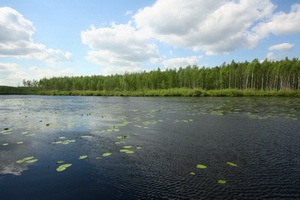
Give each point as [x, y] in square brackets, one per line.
[266, 75]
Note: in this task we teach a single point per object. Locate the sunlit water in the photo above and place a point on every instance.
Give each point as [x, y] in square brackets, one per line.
[164, 139]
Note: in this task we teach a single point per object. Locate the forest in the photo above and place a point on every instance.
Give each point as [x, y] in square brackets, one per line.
[283, 75]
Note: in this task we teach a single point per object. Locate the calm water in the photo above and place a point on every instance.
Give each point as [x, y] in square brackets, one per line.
[165, 139]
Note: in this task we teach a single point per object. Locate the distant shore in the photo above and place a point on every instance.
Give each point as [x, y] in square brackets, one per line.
[179, 92]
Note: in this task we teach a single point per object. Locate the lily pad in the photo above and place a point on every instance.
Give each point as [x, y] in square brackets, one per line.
[127, 147]
[121, 142]
[60, 161]
[28, 158]
[126, 151]
[222, 181]
[64, 142]
[20, 142]
[63, 167]
[106, 154]
[122, 137]
[25, 159]
[232, 164]
[86, 136]
[138, 147]
[32, 161]
[201, 166]
[4, 144]
[62, 137]
[82, 157]
[192, 173]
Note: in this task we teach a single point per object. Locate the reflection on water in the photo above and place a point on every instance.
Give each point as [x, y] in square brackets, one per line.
[134, 147]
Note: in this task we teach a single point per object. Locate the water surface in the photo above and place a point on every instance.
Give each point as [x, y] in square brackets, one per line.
[165, 139]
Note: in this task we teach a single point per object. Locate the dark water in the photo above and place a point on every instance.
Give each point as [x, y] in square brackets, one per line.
[169, 138]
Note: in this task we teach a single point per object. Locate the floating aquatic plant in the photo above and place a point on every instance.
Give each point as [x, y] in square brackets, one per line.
[121, 142]
[222, 181]
[192, 173]
[106, 154]
[26, 160]
[64, 142]
[122, 137]
[63, 167]
[60, 161]
[32, 161]
[201, 166]
[82, 157]
[127, 147]
[126, 151]
[232, 164]
[86, 136]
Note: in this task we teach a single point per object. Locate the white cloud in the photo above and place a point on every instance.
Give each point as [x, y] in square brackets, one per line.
[215, 26]
[281, 23]
[282, 47]
[119, 46]
[16, 39]
[181, 62]
[39, 73]
[12, 74]
[271, 56]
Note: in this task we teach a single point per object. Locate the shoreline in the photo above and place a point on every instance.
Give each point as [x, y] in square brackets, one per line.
[174, 92]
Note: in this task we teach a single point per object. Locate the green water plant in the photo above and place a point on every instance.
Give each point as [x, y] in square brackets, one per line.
[201, 166]
[63, 167]
[82, 157]
[221, 181]
[106, 154]
[232, 164]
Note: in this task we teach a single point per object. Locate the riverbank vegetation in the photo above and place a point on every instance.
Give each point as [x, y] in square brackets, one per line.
[267, 78]
[185, 92]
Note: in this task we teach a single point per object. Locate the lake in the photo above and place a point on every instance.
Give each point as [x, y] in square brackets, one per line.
[57, 147]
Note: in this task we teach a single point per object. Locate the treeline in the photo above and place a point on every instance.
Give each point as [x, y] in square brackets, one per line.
[255, 75]
[6, 90]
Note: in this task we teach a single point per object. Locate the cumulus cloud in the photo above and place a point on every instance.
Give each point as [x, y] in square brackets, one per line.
[16, 39]
[181, 62]
[12, 74]
[39, 73]
[118, 46]
[215, 26]
[282, 47]
[281, 23]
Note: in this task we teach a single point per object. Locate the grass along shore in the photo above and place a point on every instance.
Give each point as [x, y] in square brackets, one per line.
[184, 92]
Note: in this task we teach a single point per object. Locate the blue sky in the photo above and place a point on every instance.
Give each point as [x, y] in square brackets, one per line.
[40, 38]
